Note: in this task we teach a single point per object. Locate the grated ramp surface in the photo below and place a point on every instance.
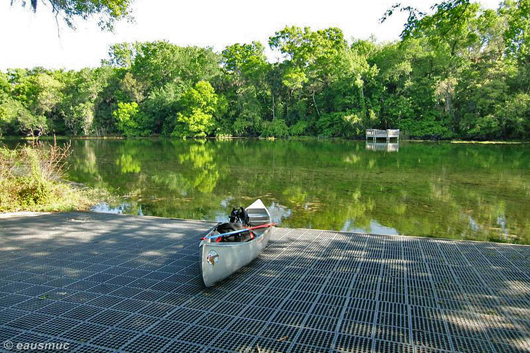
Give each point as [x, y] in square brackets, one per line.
[132, 284]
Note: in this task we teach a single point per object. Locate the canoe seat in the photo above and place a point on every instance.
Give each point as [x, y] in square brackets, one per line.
[258, 216]
[257, 221]
[254, 218]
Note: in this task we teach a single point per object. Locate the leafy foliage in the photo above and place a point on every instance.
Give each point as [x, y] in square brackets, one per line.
[131, 122]
[107, 11]
[275, 128]
[199, 105]
[459, 72]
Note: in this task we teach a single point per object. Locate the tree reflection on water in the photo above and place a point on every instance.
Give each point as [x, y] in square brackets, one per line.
[426, 189]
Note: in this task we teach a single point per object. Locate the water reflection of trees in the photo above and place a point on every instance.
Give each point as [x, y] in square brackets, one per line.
[463, 191]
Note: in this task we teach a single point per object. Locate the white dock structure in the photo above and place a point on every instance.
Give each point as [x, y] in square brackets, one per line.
[388, 134]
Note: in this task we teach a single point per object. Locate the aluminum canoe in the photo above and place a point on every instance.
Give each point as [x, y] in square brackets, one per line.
[220, 260]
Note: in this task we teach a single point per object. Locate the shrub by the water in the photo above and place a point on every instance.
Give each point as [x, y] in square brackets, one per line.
[31, 179]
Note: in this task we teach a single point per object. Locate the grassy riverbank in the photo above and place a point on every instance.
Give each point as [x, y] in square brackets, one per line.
[31, 179]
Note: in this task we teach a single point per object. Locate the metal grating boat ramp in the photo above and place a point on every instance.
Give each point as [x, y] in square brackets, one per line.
[132, 284]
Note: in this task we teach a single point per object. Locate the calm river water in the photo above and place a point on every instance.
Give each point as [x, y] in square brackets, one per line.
[460, 191]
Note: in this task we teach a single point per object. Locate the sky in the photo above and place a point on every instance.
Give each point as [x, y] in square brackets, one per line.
[28, 40]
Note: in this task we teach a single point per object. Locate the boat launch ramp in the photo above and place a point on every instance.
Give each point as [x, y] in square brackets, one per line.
[103, 282]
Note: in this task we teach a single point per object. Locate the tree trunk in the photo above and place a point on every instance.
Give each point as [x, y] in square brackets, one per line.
[448, 101]
[315, 103]
[273, 114]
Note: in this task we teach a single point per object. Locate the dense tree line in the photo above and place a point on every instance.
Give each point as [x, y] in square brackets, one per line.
[462, 72]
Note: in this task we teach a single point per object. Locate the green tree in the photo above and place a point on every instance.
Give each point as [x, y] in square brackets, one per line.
[11, 113]
[107, 100]
[29, 124]
[35, 96]
[162, 105]
[249, 97]
[78, 105]
[107, 12]
[322, 74]
[42, 92]
[517, 33]
[275, 128]
[158, 63]
[459, 71]
[199, 104]
[121, 55]
[131, 121]
[5, 90]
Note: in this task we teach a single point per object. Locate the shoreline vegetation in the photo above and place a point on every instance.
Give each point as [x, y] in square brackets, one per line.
[294, 138]
[32, 179]
[460, 73]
